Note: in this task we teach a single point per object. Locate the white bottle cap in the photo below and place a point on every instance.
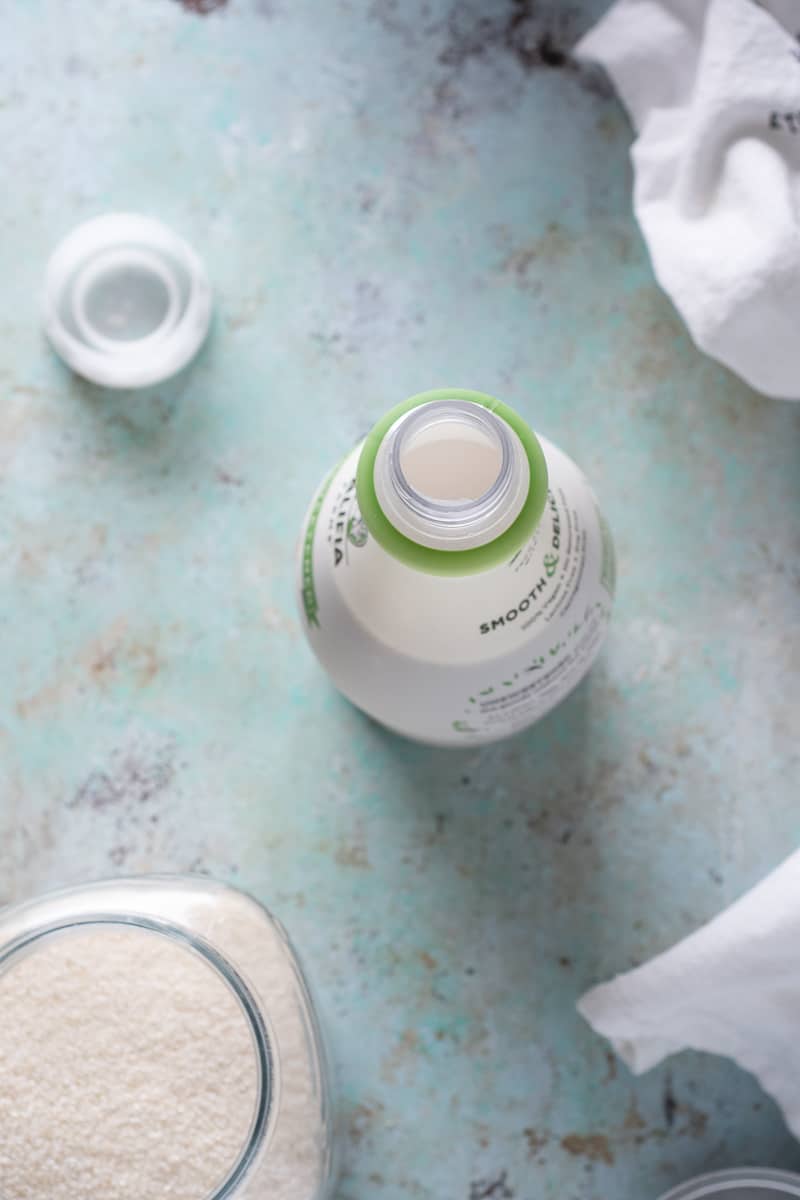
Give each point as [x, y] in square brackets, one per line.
[127, 302]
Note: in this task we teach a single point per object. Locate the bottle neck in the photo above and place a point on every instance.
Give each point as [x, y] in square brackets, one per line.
[452, 482]
[451, 475]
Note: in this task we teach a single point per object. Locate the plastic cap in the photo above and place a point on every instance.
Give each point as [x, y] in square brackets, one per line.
[127, 302]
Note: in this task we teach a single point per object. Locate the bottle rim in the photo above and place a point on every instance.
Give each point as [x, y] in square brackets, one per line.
[446, 522]
[435, 560]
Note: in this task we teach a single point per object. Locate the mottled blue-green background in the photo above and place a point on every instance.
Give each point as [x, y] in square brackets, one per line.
[390, 196]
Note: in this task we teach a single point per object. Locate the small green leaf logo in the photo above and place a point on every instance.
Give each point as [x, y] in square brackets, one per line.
[357, 533]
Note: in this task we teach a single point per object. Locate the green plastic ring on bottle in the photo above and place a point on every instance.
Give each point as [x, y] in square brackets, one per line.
[452, 562]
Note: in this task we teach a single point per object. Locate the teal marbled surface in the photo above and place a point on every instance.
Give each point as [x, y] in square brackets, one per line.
[390, 197]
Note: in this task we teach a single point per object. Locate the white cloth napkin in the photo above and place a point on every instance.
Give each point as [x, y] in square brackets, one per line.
[713, 90]
[731, 988]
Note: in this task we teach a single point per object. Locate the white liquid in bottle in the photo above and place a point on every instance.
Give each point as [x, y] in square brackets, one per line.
[456, 574]
[450, 465]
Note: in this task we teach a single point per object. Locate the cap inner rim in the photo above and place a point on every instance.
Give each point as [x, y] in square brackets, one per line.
[114, 264]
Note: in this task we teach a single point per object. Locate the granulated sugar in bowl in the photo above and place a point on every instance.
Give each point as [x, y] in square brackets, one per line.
[158, 1042]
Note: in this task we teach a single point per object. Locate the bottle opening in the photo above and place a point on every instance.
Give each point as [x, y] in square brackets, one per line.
[451, 475]
[449, 458]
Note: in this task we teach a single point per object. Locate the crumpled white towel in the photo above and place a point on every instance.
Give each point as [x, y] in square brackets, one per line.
[713, 90]
[731, 988]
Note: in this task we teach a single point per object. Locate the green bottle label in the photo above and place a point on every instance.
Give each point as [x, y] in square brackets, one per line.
[310, 604]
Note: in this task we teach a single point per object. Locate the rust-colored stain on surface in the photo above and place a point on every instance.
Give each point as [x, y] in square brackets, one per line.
[353, 856]
[634, 1120]
[536, 1141]
[362, 1118]
[593, 1146]
[404, 1052]
[109, 657]
[696, 1121]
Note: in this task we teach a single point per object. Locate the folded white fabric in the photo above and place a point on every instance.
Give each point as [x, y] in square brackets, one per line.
[713, 90]
[731, 988]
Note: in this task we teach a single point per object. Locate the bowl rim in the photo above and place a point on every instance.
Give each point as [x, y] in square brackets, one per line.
[782, 1183]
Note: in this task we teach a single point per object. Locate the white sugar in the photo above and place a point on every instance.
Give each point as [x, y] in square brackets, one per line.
[127, 1070]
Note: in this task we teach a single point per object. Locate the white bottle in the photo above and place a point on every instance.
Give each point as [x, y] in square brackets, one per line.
[456, 574]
